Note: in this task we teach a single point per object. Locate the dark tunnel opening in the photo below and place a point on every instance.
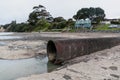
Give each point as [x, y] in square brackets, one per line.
[51, 51]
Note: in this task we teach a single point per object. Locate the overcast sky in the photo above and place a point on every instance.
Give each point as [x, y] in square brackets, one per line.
[19, 9]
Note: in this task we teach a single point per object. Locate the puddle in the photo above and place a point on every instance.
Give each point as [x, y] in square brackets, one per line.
[13, 69]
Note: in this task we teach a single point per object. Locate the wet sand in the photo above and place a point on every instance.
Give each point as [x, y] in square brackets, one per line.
[22, 49]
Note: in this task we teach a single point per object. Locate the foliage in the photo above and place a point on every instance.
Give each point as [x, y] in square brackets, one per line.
[95, 14]
[42, 24]
[58, 23]
[38, 13]
[41, 20]
[70, 23]
[102, 27]
[115, 22]
[58, 19]
[14, 27]
[105, 27]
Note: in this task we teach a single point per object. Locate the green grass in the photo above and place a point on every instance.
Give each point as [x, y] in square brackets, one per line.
[102, 27]
[105, 27]
[99, 27]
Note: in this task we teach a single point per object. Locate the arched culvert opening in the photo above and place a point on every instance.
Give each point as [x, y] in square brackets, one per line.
[51, 51]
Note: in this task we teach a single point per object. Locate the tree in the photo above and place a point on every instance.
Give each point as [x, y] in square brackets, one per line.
[42, 24]
[11, 26]
[38, 13]
[58, 19]
[95, 14]
[17, 27]
[58, 23]
[70, 23]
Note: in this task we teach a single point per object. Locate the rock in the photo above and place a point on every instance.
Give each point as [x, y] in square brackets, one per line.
[114, 75]
[113, 68]
[67, 77]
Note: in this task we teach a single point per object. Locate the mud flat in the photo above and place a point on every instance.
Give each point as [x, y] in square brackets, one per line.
[22, 49]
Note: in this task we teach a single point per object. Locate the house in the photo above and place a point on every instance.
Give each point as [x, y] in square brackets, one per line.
[114, 26]
[105, 22]
[83, 23]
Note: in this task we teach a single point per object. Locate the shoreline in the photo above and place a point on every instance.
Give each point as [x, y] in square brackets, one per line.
[32, 44]
[35, 43]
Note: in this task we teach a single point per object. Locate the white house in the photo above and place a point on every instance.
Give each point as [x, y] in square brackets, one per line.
[105, 22]
[83, 23]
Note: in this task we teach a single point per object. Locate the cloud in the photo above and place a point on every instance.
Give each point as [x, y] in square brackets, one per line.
[20, 9]
[15, 10]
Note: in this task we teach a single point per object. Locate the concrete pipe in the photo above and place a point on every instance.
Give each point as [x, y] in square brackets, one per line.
[60, 50]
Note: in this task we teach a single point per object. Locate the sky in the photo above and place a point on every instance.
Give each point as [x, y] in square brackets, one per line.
[19, 10]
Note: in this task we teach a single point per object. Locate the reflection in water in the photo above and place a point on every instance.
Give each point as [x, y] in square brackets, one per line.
[12, 69]
[52, 67]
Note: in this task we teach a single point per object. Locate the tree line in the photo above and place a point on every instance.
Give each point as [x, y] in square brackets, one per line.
[41, 20]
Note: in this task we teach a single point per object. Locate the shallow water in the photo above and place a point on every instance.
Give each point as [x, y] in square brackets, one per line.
[12, 69]
[5, 33]
[8, 35]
